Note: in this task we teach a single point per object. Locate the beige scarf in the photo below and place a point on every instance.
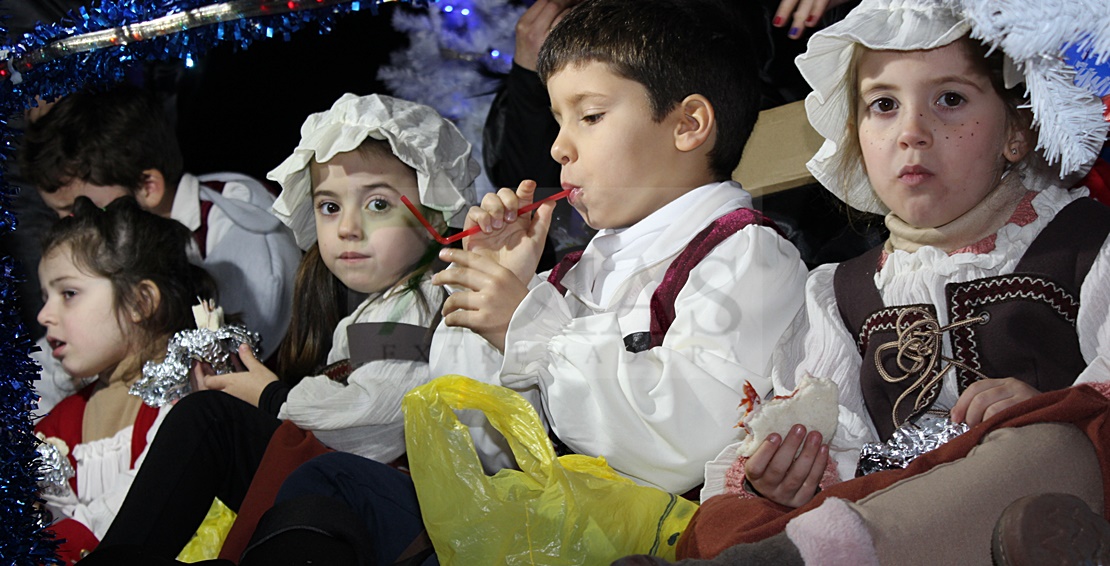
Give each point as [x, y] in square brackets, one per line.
[984, 219]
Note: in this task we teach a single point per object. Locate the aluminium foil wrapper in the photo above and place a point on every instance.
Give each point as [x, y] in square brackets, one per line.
[907, 443]
[167, 381]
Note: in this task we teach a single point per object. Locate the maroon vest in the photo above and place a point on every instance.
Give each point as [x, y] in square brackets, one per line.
[662, 300]
[1021, 325]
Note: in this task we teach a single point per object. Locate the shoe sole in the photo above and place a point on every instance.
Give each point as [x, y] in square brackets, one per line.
[1050, 529]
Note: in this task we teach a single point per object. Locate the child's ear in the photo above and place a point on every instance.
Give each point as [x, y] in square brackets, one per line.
[1017, 145]
[152, 193]
[147, 299]
[697, 122]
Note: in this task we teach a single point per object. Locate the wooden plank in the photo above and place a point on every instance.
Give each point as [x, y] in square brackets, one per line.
[775, 157]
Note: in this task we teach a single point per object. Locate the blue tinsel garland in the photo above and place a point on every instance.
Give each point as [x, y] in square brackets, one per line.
[22, 535]
[21, 539]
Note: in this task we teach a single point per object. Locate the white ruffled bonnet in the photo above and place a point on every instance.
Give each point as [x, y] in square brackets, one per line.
[1069, 118]
[419, 137]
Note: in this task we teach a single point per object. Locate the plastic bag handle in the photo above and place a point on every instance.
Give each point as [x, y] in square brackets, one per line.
[512, 415]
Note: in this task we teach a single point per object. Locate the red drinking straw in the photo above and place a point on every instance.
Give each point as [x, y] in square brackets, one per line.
[475, 229]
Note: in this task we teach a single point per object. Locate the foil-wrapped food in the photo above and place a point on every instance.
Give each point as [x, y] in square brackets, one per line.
[54, 468]
[908, 442]
[212, 343]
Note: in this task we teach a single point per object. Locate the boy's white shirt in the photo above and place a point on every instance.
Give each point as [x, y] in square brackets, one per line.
[252, 256]
[823, 347]
[364, 417]
[659, 415]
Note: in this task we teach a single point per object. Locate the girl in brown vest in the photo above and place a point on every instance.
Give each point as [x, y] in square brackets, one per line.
[989, 299]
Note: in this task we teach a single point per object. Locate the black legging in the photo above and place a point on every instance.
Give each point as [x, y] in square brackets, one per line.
[209, 446]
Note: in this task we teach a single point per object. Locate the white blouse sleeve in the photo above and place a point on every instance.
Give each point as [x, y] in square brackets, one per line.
[657, 416]
[1093, 324]
[364, 416]
[828, 350]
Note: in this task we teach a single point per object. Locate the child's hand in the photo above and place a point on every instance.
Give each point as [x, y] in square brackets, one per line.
[515, 243]
[489, 294]
[779, 476]
[246, 385]
[987, 397]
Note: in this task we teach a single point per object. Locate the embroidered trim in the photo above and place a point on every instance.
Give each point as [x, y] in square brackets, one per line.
[965, 298]
[885, 320]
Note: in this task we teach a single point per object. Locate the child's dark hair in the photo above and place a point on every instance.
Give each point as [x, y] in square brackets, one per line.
[128, 245]
[674, 48]
[105, 138]
[319, 297]
[318, 305]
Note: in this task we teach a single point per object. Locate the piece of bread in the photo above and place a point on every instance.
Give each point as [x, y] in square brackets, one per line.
[813, 405]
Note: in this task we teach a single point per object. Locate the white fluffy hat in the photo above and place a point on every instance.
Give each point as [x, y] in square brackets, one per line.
[418, 136]
[1031, 33]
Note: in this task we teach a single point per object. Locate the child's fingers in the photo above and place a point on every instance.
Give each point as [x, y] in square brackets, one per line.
[464, 258]
[969, 407]
[541, 222]
[461, 318]
[511, 202]
[756, 466]
[816, 10]
[779, 465]
[532, 14]
[461, 278]
[460, 301]
[478, 216]
[987, 397]
[218, 382]
[246, 355]
[525, 193]
[802, 467]
[200, 370]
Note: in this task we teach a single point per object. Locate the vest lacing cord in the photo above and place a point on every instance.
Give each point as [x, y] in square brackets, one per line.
[919, 351]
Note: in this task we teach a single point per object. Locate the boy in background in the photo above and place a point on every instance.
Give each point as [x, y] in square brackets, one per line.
[108, 144]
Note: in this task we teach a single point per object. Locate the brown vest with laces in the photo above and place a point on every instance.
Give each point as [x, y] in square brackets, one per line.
[1021, 325]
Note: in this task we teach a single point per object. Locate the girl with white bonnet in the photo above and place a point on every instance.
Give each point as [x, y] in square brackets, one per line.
[988, 305]
[341, 191]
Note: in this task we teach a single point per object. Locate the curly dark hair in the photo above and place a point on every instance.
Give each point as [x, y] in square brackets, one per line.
[128, 245]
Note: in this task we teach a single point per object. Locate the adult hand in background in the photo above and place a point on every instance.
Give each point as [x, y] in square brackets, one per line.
[532, 28]
[800, 14]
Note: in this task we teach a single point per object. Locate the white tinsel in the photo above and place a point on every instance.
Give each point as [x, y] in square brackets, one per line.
[449, 65]
[1034, 34]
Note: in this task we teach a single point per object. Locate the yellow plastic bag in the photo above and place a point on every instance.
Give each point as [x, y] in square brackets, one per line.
[567, 510]
[206, 542]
